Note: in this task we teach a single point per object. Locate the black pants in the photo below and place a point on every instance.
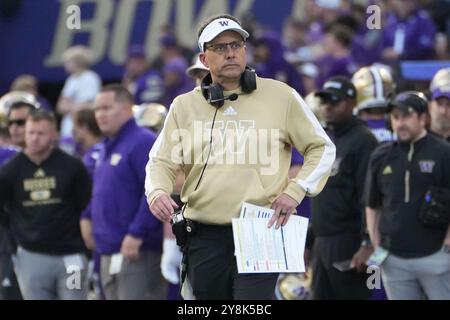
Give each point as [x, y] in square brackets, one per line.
[330, 283]
[212, 269]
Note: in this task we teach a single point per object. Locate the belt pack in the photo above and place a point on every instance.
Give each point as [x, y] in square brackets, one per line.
[435, 210]
[182, 228]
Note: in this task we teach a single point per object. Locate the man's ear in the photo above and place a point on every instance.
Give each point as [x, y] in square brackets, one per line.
[424, 117]
[202, 58]
[429, 106]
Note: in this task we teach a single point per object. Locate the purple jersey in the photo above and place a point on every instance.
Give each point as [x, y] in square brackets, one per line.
[316, 32]
[276, 67]
[330, 66]
[176, 66]
[118, 206]
[70, 146]
[91, 156]
[412, 38]
[7, 153]
[149, 87]
[365, 46]
[44, 104]
[380, 131]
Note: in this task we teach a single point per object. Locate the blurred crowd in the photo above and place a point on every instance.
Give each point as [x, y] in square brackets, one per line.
[332, 40]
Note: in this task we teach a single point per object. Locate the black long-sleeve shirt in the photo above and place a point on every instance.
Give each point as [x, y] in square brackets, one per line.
[44, 202]
[339, 208]
[398, 177]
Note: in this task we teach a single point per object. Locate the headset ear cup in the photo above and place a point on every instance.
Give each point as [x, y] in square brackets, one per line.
[248, 80]
[211, 91]
[204, 85]
[215, 92]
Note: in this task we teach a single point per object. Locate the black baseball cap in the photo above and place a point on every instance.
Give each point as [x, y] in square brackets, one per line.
[337, 88]
[409, 101]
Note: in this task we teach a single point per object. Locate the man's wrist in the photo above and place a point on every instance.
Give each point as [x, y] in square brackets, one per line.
[366, 243]
[446, 248]
[151, 197]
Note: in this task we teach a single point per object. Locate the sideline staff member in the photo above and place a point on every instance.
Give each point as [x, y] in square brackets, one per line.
[400, 174]
[272, 117]
[121, 223]
[44, 191]
[336, 213]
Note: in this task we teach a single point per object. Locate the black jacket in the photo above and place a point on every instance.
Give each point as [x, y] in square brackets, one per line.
[339, 208]
[439, 136]
[399, 175]
[43, 203]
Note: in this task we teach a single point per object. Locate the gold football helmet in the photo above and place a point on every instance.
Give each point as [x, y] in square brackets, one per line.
[294, 286]
[150, 115]
[314, 103]
[441, 79]
[373, 85]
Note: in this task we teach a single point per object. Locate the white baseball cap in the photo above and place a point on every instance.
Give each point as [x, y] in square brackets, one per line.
[216, 27]
[198, 65]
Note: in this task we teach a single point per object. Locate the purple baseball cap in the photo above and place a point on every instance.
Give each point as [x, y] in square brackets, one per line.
[440, 92]
[167, 40]
[177, 65]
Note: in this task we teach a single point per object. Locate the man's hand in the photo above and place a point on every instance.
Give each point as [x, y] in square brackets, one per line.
[360, 258]
[170, 261]
[284, 205]
[130, 247]
[163, 207]
[86, 233]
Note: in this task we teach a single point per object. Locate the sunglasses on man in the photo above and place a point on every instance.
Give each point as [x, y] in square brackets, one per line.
[17, 122]
[332, 100]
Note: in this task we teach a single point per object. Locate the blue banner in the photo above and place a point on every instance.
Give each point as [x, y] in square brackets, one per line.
[34, 37]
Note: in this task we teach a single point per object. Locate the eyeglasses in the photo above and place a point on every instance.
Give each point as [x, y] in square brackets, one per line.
[221, 48]
[17, 122]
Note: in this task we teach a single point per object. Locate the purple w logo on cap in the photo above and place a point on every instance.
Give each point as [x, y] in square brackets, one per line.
[223, 23]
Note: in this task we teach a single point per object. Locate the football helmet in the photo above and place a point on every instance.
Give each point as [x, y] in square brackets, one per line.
[294, 286]
[150, 115]
[373, 85]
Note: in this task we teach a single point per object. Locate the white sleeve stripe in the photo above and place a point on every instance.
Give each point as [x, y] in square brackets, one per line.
[153, 151]
[326, 161]
[149, 188]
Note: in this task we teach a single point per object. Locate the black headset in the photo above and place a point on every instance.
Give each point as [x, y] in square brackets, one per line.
[213, 93]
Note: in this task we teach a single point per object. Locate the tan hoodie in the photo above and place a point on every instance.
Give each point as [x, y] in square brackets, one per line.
[250, 156]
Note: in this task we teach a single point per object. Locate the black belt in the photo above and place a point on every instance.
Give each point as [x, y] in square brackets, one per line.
[193, 227]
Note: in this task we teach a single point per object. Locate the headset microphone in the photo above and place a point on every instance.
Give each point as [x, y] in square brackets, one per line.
[231, 97]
